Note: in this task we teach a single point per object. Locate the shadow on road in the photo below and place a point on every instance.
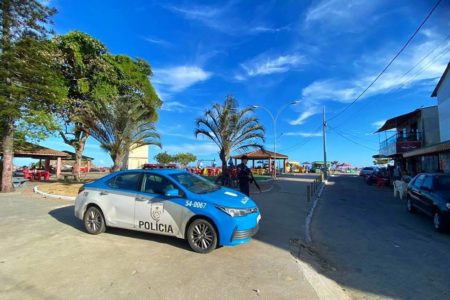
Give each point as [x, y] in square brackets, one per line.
[66, 216]
[366, 240]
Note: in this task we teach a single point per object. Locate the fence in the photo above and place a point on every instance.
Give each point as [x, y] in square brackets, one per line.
[313, 187]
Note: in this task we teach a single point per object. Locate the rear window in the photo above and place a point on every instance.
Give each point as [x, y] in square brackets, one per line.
[443, 183]
[125, 181]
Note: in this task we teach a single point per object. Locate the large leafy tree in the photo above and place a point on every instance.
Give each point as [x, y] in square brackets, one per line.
[230, 128]
[126, 120]
[30, 88]
[164, 158]
[88, 76]
[184, 158]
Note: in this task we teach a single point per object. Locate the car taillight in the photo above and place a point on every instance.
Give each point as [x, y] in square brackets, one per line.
[81, 189]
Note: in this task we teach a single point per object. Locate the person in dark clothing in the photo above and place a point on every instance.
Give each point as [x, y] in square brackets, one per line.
[244, 176]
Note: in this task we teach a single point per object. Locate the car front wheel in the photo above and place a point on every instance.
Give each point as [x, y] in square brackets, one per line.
[202, 236]
[94, 222]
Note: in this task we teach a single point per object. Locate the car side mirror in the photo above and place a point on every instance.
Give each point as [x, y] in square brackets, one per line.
[172, 193]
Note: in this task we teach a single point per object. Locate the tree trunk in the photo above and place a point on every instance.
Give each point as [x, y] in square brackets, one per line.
[79, 149]
[118, 162]
[8, 154]
[223, 158]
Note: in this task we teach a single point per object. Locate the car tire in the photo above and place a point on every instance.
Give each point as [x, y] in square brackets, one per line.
[409, 206]
[439, 223]
[93, 220]
[202, 236]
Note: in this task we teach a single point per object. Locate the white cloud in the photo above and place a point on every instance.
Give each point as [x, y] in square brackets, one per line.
[176, 79]
[336, 16]
[266, 29]
[157, 41]
[200, 148]
[304, 134]
[175, 106]
[378, 124]
[422, 63]
[264, 65]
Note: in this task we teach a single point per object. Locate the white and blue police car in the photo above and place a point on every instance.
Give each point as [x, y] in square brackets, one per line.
[169, 202]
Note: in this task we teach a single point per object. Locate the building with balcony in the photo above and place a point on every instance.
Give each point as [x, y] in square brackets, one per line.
[414, 130]
[436, 157]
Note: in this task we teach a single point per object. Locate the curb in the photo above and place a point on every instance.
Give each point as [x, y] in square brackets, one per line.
[311, 213]
[68, 198]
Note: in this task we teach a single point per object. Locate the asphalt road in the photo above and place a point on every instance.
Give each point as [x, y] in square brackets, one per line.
[45, 253]
[374, 248]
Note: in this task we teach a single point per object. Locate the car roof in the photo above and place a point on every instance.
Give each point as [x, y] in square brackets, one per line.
[154, 171]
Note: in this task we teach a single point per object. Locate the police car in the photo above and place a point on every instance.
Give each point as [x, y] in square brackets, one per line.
[169, 202]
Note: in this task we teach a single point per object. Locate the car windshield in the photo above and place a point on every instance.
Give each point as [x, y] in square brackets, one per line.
[443, 183]
[195, 183]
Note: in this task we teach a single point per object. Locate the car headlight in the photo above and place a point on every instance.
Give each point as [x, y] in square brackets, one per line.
[448, 205]
[237, 212]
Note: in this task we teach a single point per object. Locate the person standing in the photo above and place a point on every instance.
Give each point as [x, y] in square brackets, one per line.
[244, 176]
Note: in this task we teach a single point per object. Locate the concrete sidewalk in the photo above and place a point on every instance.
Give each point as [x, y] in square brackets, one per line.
[45, 253]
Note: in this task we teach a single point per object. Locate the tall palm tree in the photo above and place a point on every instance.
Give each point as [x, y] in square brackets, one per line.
[121, 126]
[230, 128]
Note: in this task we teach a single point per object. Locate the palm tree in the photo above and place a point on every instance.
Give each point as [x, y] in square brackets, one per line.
[230, 128]
[121, 126]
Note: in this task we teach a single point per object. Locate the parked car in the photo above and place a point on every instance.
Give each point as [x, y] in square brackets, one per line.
[368, 171]
[169, 202]
[430, 194]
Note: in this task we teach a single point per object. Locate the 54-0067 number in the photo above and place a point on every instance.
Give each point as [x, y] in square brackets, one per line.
[195, 204]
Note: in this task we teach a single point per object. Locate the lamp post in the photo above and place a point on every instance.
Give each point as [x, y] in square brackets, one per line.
[274, 124]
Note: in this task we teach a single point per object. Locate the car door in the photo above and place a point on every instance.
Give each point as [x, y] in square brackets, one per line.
[154, 212]
[118, 199]
[426, 195]
[415, 191]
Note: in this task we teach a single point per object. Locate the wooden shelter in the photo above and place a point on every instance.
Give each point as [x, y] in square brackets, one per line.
[263, 155]
[29, 150]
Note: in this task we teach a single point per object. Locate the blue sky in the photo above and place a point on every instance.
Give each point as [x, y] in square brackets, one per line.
[270, 53]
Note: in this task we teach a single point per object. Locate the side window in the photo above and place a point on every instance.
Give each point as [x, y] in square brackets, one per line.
[428, 182]
[125, 181]
[419, 181]
[155, 184]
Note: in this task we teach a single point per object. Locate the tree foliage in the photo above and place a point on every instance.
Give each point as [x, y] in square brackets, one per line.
[125, 121]
[230, 128]
[164, 158]
[184, 158]
[31, 88]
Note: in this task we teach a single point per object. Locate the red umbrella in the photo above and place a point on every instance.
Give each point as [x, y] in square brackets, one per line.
[345, 165]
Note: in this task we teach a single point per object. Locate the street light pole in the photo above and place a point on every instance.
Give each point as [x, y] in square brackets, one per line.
[274, 124]
[325, 145]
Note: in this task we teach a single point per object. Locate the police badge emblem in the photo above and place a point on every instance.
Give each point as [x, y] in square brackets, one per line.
[156, 211]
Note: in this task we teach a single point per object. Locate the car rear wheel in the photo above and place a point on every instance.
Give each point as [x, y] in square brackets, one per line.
[202, 236]
[94, 222]
[409, 205]
[439, 222]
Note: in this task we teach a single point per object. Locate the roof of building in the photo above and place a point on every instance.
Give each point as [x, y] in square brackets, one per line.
[261, 154]
[72, 156]
[436, 89]
[436, 148]
[393, 122]
[26, 149]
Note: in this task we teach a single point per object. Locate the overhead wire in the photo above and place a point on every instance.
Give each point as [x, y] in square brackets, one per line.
[390, 62]
[351, 140]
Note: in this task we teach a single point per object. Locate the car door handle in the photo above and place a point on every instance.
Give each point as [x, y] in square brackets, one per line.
[140, 198]
[102, 193]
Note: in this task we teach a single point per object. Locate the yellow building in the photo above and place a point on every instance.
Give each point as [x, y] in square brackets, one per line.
[136, 158]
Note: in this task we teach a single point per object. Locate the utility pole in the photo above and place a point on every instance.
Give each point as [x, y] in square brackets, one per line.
[325, 145]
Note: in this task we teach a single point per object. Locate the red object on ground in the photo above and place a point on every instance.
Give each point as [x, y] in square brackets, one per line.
[381, 181]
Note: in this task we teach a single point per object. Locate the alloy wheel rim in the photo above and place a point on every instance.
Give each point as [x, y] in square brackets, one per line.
[94, 221]
[202, 236]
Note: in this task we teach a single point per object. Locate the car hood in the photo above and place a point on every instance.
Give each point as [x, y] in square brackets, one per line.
[229, 198]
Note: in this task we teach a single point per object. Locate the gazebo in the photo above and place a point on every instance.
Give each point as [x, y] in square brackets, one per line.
[263, 155]
[25, 149]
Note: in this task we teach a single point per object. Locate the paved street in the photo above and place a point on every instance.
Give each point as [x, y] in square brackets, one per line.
[45, 253]
[373, 247]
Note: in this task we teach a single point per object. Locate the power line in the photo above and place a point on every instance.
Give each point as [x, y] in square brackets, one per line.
[411, 78]
[351, 140]
[390, 63]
